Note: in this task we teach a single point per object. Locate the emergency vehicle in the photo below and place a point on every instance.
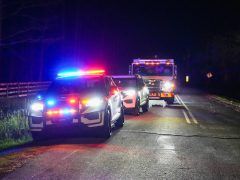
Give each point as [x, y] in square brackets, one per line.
[134, 92]
[78, 99]
[159, 75]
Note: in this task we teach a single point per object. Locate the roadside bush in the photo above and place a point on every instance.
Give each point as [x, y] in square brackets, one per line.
[13, 118]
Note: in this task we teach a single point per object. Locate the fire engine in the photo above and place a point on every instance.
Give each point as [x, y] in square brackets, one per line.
[159, 75]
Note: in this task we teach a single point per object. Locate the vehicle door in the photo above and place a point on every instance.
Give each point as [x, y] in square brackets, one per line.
[145, 91]
[114, 98]
[141, 90]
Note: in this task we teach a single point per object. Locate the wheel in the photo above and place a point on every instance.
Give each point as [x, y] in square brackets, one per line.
[120, 121]
[145, 107]
[106, 130]
[170, 100]
[136, 110]
[38, 136]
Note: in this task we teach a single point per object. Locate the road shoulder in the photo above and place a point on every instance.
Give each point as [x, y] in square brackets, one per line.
[229, 103]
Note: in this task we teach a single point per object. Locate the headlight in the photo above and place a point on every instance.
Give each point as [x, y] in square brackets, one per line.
[93, 102]
[130, 92]
[168, 86]
[37, 106]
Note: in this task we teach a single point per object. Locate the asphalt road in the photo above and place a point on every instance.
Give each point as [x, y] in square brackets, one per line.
[196, 138]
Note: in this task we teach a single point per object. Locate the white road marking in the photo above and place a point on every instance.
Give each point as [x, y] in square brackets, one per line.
[186, 117]
[190, 113]
[176, 97]
[193, 118]
[67, 156]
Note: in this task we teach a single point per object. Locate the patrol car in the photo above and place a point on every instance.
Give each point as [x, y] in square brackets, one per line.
[80, 99]
[134, 91]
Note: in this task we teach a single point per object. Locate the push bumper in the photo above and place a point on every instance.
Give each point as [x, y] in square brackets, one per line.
[88, 120]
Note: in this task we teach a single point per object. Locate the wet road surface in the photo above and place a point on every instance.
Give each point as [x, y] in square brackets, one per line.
[195, 138]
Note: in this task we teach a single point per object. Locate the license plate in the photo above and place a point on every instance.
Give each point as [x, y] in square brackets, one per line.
[153, 94]
[165, 94]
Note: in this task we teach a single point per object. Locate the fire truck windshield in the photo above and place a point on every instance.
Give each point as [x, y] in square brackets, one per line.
[153, 70]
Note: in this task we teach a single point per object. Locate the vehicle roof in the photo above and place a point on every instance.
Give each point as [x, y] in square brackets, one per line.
[153, 60]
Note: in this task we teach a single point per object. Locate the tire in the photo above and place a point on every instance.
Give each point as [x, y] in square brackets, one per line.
[38, 136]
[136, 110]
[120, 121]
[170, 100]
[106, 130]
[145, 107]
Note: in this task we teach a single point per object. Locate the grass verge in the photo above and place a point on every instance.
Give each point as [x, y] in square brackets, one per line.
[14, 129]
[7, 143]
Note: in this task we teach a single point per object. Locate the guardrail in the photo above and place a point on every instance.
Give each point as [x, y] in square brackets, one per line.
[21, 89]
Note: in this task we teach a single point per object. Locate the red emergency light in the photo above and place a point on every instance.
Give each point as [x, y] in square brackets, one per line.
[60, 112]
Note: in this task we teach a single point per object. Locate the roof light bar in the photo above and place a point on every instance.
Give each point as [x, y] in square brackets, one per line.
[153, 60]
[69, 74]
[152, 63]
[80, 73]
[94, 72]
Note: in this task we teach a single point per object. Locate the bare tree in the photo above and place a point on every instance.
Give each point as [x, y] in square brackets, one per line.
[26, 24]
[34, 28]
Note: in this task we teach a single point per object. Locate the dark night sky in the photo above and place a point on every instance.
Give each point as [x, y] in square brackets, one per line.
[120, 31]
[112, 33]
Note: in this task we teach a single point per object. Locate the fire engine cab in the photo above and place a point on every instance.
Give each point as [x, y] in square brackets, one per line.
[159, 75]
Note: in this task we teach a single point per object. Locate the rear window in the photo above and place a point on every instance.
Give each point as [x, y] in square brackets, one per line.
[125, 82]
[69, 86]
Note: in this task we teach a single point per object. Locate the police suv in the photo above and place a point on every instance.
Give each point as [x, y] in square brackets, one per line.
[79, 99]
[134, 91]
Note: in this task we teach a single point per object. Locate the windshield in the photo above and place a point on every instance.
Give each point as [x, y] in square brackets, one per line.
[125, 82]
[153, 70]
[70, 86]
